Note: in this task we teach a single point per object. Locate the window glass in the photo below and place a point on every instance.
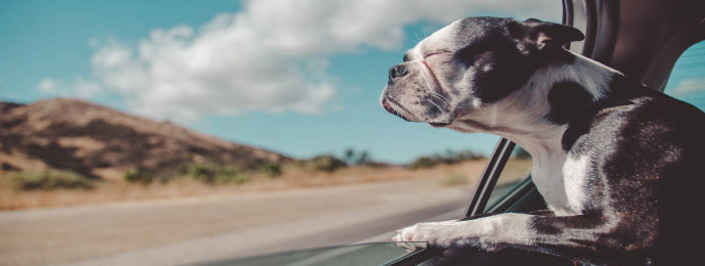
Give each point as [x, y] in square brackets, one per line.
[687, 81]
[517, 168]
[361, 254]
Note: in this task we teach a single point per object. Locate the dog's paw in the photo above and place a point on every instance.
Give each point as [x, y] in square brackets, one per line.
[438, 234]
[412, 246]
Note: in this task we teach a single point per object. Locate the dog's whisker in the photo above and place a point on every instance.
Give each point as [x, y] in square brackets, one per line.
[437, 94]
[437, 106]
[443, 100]
[418, 38]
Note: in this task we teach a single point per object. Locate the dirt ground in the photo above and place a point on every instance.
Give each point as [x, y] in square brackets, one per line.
[114, 225]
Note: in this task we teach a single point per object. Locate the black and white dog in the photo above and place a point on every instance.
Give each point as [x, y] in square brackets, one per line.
[619, 165]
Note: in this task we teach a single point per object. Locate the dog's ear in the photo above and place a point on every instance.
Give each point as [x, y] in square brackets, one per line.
[543, 35]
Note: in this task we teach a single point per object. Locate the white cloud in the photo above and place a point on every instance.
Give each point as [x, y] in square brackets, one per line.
[271, 56]
[49, 85]
[688, 86]
[80, 87]
[85, 88]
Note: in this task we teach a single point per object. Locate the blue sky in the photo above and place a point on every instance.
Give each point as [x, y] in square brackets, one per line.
[298, 77]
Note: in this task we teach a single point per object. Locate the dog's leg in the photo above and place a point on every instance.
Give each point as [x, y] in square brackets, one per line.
[545, 233]
[487, 232]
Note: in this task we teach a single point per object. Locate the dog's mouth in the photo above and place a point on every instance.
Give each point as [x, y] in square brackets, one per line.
[439, 124]
[388, 107]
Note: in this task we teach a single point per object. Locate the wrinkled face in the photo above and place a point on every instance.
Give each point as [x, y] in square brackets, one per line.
[469, 65]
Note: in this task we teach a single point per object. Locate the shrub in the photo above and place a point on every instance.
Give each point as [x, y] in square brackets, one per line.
[201, 172]
[450, 157]
[213, 174]
[353, 157]
[50, 179]
[327, 163]
[228, 174]
[423, 162]
[137, 176]
[271, 169]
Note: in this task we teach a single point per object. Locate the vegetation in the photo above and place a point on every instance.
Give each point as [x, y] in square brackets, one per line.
[230, 175]
[138, 176]
[217, 173]
[214, 174]
[353, 157]
[450, 157]
[50, 180]
[423, 162]
[359, 158]
[324, 163]
[201, 172]
[271, 169]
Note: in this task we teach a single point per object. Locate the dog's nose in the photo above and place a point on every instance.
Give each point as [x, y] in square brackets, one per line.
[397, 72]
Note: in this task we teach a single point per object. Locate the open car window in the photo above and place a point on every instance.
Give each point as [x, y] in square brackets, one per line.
[516, 170]
[687, 80]
[361, 254]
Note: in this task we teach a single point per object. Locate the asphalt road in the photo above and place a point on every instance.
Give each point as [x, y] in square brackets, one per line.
[195, 230]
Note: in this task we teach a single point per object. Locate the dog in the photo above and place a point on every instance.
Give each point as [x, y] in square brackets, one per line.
[618, 164]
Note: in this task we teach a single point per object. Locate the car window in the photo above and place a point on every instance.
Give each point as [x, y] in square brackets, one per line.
[517, 168]
[687, 81]
[360, 254]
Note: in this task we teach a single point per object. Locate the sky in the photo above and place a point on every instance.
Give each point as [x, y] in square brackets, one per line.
[299, 77]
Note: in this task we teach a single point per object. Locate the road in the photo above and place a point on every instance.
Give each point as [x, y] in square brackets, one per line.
[193, 230]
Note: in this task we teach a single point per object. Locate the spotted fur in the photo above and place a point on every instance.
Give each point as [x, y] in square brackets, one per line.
[616, 162]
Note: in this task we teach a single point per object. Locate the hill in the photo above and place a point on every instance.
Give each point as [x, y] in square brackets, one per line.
[99, 142]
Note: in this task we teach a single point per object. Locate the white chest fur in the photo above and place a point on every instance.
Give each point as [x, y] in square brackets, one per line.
[561, 180]
[562, 177]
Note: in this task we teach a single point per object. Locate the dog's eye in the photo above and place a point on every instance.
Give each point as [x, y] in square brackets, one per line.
[440, 52]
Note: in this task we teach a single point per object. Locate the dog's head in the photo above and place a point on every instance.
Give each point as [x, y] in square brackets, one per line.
[470, 65]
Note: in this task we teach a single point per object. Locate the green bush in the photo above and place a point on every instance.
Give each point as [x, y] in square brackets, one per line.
[357, 158]
[137, 176]
[271, 169]
[423, 162]
[214, 174]
[450, 157]
[50, 179]
[231, 175]
[202, 172]
[326, 163]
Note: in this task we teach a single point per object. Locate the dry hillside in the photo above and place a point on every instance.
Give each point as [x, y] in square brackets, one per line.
[100, 142]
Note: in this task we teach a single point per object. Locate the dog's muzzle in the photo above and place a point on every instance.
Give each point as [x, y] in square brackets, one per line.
[388, 107]
[396, 72]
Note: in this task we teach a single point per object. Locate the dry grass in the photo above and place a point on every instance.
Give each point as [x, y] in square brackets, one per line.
[118, 190]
